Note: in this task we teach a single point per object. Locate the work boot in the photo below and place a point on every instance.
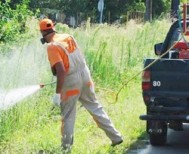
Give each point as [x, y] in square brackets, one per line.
[116, 143]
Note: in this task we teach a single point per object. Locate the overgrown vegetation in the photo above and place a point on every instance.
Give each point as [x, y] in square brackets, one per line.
[13, 21]
[114, 55]
[14, 14]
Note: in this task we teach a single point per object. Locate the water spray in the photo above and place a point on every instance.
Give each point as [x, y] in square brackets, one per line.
[12, 97]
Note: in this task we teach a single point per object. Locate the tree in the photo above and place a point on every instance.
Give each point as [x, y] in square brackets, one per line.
[113, 10]
[174, 8]
[155, 9]
[148, 14]
[12, 20]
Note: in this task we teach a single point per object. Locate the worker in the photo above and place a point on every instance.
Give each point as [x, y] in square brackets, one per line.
[74, 83]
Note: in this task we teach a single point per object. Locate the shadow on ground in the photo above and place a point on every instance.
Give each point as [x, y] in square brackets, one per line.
[177, 143]
[141, 143]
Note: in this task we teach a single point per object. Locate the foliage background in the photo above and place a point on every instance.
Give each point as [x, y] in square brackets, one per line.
[15, 13]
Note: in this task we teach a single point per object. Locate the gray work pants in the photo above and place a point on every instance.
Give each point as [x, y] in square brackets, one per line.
[79, 86]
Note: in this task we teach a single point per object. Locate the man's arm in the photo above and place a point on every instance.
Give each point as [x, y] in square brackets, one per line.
[53, 70]
[60, 76]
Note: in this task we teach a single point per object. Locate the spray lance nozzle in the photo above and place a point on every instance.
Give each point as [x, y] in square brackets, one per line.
[42, 85]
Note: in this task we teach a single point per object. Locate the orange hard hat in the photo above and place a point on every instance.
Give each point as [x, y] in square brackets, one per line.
[46, 24]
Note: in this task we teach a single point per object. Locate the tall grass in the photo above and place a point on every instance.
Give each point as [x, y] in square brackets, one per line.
[114, 54]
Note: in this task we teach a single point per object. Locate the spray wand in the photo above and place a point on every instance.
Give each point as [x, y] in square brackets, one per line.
[42, 85]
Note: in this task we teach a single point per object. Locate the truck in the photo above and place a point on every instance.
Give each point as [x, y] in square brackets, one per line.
[165, 83]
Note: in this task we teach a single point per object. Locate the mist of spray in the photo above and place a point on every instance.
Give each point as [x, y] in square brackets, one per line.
[10, 98]
[20, 67]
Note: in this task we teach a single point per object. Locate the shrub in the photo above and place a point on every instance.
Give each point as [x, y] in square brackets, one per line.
[12, 21]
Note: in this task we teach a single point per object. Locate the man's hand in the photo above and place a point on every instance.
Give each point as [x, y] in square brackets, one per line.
[57, 99]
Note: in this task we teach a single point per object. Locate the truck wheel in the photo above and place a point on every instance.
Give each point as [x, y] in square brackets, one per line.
[158, 139]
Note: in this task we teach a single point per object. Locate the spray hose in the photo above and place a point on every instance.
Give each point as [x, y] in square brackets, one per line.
[153, 62]
[47, 84]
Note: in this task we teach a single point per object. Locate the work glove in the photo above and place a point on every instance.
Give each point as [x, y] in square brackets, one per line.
[57, 99]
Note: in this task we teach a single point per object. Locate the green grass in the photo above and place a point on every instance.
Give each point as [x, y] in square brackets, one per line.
[38, 127]
[114, 55]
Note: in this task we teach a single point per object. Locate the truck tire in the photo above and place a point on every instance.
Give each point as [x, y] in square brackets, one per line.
[159, 139]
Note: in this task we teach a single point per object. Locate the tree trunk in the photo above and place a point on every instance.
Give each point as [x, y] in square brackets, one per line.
[148, 14]
[174, 8]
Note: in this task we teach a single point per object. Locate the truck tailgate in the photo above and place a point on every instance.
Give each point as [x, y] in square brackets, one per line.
[169, 76]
